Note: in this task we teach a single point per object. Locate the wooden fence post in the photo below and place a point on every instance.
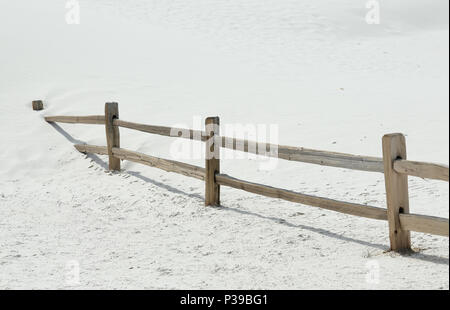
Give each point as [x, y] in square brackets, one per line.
[212, 189]
[394, 147]
[112, 133]
[37, 105]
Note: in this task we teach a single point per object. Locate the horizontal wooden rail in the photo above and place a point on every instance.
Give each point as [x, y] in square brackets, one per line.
[324, 203]
[300, 154]
[422, 170]
[332, 159]
[425, 224]
[91, 119]
[191, 134]
[164, 164]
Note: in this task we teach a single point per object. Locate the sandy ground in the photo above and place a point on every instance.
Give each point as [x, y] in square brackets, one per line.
[147, 229]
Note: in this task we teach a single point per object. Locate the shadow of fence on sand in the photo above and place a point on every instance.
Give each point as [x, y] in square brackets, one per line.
[417, 255]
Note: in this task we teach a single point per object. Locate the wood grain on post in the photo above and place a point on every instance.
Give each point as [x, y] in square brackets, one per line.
[212, 165]
[394, 148]
[112, 133]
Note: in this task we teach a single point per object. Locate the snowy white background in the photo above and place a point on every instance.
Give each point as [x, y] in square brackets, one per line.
[314, 67]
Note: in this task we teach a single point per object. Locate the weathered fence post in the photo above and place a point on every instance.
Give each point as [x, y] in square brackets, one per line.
[394, 148]
[212, 189]
[112, 133]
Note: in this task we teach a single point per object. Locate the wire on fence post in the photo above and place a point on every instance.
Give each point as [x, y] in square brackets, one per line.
[394, 148]
[212, 164]
[112, 133]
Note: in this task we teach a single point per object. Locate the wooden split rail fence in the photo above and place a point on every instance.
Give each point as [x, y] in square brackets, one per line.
[394, 164]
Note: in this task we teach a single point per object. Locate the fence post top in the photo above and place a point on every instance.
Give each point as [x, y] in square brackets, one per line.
[391, 135]
[112, 110]
[212, 119]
